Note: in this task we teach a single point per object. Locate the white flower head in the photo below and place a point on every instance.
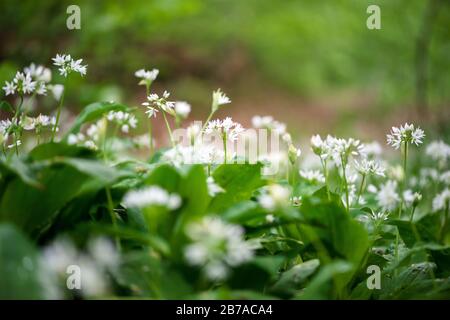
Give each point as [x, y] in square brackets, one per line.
[411, 198]
[213, 187]
[182, 109]
[218, 99]
[406, 134]
[274, 196]
[438, 151]
[387, 196]
[313, 176]
[369, 167]
[147, 77]
[441, 200]
[216, 246]
[123, 119]
[68, 65]
[227, 128]
[152, 196]
[155, 102]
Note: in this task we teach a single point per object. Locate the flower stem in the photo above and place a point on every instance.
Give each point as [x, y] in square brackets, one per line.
[58, 115]
[168, 129]
[345, 183]
[325, 173]
[360, 188]
[224, 140]
[112, 215]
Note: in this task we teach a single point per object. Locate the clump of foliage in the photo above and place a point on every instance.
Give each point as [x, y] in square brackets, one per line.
[194, 220]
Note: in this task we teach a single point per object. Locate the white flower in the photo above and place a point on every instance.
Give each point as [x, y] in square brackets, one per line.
[68, 65]
[445, 177]
[39, 73]
[146, 76]
[59, 255]
[322, 148]
[23, 84]
[219, 98]
[372, 149]
[378, 216]
[411, 198]
[93, 280]
[366, 167]
[342, 149]
[441, 200]
[193, 131]
[216, 246]
[227, 128]
[267, 122]
[213, 187]
[274, 196]
[104, 252]
[198, 154]
[150, 196]
[270, 218]
[9, 88]
[405, 134]
[123, 119]
[293, 153]
[57, 90]
[314, 176]
[155, 101]
[387, 196]
[182, 109]
[438, 150]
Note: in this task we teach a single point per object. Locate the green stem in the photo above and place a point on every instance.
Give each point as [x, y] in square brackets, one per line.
[224, 140]
[361, 188]
[58, 115]
[112, 215]
[445, 224]
[168, 129]
[207, 120]
[345, 183]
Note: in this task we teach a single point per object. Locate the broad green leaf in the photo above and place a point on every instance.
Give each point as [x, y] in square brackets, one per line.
[94, 112]
[19, 267]
[238, 181]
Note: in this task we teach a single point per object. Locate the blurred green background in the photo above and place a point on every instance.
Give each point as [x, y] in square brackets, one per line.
[313, 64]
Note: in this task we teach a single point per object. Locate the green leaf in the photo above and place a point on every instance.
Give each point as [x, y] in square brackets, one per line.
[5, 105]
[239, 182]
[94, 112]
[295, 278]
[19, 268]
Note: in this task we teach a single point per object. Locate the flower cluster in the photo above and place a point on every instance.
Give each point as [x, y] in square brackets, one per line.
[227, 128]
[216, 246]
[155, 103]
[124, 120]
[406, 134]
[68, 65]
[152, 196]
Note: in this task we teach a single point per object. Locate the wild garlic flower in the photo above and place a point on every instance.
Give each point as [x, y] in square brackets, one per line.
[124, 120]
[213, 187]
[274, 196]
[267, 122]
[147, 77]
[152, 196]
[313, 176]
[104, 252]
[293, 153]
[387, 196]
[342, 149]
[216, 247]
[441, 200]
[411, 198]
[198, 154]
[182, 109]
[405, 134]
[369, 167]
[438, 151]
[322, 148]
[155, 102]
[38, 123]
[378, 216]
[218, 99]
[68, 65]
[193, 132]
[81, 140]
[225, 128]
[372, 150]
[39, 73]
[445, 177]
[56, 90]
[22, 84]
